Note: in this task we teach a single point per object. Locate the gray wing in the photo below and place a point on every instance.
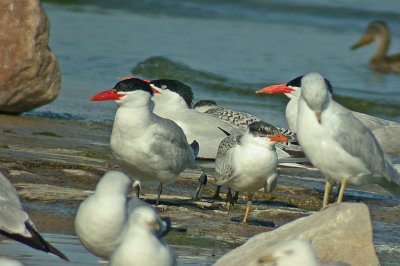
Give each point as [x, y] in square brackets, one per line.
[223, 160]
[386, 132]
[361, 143]
[170, 141]
[12, 216]
[239, 119]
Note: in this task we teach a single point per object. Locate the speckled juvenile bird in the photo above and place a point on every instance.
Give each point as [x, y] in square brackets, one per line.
[243, 120]
[249, 162]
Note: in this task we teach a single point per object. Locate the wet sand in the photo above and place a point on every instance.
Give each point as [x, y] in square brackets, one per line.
[54, 164]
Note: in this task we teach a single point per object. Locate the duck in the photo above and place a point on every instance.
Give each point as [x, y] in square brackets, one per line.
[378, 32]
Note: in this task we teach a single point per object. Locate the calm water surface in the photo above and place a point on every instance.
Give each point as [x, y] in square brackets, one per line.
[224, 49]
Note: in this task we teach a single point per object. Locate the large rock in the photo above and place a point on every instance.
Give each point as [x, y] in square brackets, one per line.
[29, 73]
[341, 233]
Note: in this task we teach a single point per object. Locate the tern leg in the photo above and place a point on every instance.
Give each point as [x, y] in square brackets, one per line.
[341, 192]
[137, 188]
[236, 197]
[200, 187]
[216, 194]
[229, 199]
[160, 187]
[249, 203]
[328, 187]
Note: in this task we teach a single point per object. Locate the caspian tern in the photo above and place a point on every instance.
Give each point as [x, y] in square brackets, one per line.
[15, 222]
[337, 143]
[140, 244]
[386, 132]
[249, 162]
[147, 146]
[175, 101]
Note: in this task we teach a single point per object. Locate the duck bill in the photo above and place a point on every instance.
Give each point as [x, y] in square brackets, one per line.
[277, 138]
[274, 89]
[366, 39]
[108, 95]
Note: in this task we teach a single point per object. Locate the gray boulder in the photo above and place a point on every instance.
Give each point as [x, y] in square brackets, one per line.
[29, 73]
[340, 233]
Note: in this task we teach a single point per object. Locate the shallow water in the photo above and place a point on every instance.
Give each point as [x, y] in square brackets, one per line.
[78, 255]
[225, 50]
[230, 50]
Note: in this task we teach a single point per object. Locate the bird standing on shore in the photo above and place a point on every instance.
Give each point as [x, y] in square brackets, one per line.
[378, 32]
[337, 143]
[146, 146]
[386, 132]
[249, 162]
[16, 224]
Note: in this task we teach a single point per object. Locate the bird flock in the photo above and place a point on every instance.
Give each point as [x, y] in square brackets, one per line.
[158, 133]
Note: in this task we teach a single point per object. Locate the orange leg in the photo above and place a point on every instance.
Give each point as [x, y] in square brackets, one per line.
[249, 203]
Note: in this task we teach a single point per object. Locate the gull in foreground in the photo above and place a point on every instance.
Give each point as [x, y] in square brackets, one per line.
[337, 143]
[291, 253]
[15, 222]
[146, 146]
[141, 243]
[101, 216]
[249, 162]
[386, 132]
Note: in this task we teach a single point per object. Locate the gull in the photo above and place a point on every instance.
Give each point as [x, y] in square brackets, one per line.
[146, 146]
[141, 244]
[337, 143]
[386, 132]
[101, 216]
[249, 162]
[291, 253]
[15, 222]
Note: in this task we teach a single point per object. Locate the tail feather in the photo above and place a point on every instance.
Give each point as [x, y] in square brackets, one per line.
[36, 241]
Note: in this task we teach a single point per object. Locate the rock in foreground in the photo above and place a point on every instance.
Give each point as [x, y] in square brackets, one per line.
[29, 73]
[341, 233]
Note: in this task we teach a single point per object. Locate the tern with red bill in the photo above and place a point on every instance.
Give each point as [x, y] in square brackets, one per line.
[386, 132]
[249, 162]
[146, 146]
[337, 143]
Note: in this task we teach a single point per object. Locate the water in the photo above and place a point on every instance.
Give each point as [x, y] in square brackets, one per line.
[227, 50]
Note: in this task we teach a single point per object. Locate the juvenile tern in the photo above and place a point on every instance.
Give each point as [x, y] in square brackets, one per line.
[249, 162]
